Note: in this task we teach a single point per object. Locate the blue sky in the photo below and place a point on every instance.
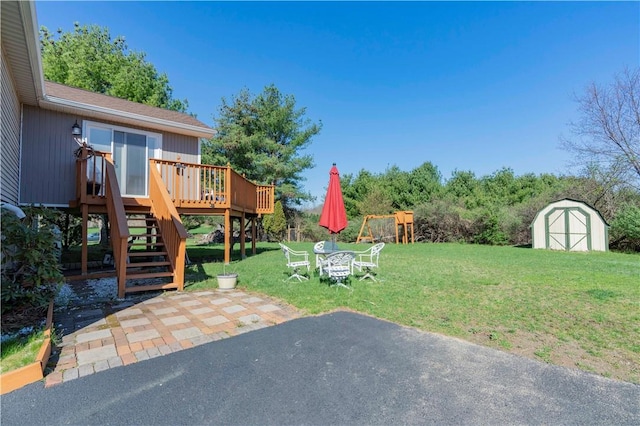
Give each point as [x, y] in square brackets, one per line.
[465, 85]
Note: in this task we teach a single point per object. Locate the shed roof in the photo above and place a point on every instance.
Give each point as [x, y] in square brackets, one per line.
[575, 201]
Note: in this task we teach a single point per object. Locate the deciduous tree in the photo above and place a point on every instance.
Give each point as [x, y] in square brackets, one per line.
[608, 130]
[90, 59]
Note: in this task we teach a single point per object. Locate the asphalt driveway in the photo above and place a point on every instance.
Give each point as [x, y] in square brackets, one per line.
[340, 368]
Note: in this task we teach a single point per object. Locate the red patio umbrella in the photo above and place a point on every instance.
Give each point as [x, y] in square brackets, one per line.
[334, 215]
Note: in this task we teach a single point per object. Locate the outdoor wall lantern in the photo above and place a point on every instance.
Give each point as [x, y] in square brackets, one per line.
[76, 130]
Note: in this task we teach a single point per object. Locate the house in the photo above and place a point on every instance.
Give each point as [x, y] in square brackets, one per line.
[570, 225]
[88, 153]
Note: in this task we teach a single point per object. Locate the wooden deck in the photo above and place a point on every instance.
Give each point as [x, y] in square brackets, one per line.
[194, 189]
[173, 188]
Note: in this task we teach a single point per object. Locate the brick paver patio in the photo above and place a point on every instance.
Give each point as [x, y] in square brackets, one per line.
[136, 331]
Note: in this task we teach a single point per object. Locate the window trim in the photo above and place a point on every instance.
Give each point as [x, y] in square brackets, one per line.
[154, 151]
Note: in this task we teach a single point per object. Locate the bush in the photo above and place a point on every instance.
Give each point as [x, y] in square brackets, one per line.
[30, 272]
[275, 225]
[625, 229]
[347, 235]
[488, 229]
[440, 221]
[192, 222]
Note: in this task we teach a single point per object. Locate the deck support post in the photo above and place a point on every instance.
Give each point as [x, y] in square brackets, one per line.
[242, 236]
[228, 235]
[85, 239]
[253, 235]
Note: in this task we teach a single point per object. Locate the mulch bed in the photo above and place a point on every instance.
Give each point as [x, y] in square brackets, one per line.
[23, 316]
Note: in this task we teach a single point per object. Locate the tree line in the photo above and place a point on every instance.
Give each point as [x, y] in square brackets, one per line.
[494, 209]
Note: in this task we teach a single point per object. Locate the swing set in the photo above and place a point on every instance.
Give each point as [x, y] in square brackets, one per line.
[402, 219]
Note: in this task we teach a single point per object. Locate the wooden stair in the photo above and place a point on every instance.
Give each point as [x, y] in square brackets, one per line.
[148, 267]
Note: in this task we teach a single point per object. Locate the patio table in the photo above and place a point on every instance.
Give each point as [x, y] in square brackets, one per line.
[322, 250]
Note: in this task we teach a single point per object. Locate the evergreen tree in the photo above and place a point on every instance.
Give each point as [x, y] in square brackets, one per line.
[263, 137]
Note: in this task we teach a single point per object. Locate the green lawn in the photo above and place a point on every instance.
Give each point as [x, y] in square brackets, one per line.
[574, 309]
[20, 351]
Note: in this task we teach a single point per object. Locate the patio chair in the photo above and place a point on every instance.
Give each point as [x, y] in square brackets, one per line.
[321, 250]
[368, 260]
[318, 249]
[338, 266]
[295, 261]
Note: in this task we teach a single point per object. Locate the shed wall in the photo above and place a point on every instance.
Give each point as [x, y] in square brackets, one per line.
[10, 147]
[598, 236]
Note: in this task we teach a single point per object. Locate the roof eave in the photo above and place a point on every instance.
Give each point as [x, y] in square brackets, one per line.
[32, 34]
[109, 113]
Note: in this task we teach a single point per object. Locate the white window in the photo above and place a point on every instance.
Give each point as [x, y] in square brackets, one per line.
[130, 151]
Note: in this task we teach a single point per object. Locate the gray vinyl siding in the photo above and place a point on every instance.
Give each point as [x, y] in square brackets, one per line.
[186, 147]
[48, 163]
[10, 146]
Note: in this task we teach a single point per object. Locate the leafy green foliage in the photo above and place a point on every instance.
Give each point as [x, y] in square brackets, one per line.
[496, 209]
[192, 222]
[488, 229]
[275, 225]
[30, 270]
[89, 59]
[263, 138]
[70, 228]
[625, 228]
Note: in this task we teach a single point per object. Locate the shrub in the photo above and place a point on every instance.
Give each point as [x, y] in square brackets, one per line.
[440, 221]
[347, 235]
[192, 222]
[625, 228]
[488, 229]
[30, 271]
[275, 225]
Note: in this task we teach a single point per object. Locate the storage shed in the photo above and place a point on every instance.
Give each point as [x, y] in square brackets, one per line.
[570, 225]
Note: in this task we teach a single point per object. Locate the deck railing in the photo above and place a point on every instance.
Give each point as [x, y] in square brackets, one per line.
[189, 185]
[195, 185]
[265, 199]
[174, 235]
[118, 221]
[202, 186]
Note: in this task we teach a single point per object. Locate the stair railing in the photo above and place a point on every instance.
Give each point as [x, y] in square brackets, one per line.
[90, 179]
[118, 221]
[173, 232]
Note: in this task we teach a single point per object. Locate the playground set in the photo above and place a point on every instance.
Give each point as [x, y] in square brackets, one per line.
[402, 219]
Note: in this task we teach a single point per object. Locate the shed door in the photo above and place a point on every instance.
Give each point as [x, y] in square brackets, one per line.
[568, 228]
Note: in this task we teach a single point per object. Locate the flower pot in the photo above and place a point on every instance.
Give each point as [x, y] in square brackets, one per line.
[227, 281]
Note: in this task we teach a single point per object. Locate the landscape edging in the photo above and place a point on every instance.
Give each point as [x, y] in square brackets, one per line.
[33, 372]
